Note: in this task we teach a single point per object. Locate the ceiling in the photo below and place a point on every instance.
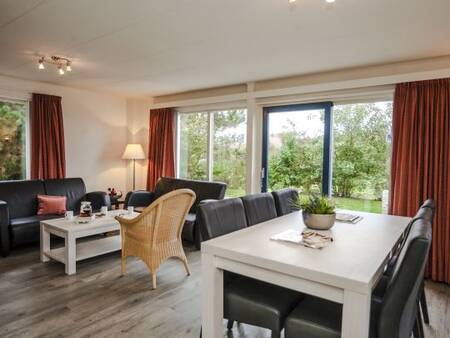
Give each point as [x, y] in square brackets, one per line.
[149, 47]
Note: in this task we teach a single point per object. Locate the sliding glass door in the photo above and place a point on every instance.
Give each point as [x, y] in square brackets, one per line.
[296, 147]
[342, 152]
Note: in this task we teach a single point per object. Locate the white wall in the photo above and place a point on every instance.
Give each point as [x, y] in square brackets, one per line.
[138, 116]
[94, 127]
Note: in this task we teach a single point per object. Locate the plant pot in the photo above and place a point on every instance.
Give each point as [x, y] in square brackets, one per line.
[318, 222]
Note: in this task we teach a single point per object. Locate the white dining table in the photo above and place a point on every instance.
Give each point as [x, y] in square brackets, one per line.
[345, 271]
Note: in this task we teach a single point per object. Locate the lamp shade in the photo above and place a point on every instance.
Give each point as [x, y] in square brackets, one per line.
[133, 151]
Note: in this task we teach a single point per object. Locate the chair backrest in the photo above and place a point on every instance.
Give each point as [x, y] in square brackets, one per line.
[259, 208]
[284, 199]
[399, 308]
[138, 198]
[429, 203]
[21, 196]
[73, 188]
[220, 217]
[203, 189]
[162, 221]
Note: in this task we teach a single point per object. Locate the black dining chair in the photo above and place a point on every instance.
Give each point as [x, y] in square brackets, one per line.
[246, 300]
[393, 316]
[259, 208]
[284, 199]
[425, 212]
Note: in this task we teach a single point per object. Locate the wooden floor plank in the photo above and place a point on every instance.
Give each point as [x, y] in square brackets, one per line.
[40, 300]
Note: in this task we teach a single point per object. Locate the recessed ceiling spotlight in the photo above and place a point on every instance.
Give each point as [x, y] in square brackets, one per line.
[60, 70]
[330, 1]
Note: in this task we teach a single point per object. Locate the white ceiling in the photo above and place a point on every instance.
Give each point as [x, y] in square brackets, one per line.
[150, 47]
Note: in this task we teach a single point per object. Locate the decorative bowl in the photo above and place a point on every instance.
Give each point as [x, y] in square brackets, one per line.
[319, 222]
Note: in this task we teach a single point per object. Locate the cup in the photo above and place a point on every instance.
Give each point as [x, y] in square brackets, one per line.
[69, 215]
[104, 211]
[130, 210]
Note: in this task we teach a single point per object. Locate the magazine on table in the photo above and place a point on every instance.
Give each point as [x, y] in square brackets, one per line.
[347, 218]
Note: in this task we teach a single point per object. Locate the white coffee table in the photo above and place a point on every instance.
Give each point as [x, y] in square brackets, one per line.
[71, 231]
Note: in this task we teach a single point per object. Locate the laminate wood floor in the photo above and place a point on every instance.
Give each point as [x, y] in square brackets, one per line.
[39, 300]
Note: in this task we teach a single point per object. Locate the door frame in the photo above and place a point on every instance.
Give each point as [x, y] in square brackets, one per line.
[327, 140]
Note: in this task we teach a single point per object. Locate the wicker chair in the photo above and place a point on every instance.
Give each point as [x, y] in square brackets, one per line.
[155, 235]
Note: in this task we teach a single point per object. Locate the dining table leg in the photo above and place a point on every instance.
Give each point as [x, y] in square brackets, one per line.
[356, 314]
[212, 298]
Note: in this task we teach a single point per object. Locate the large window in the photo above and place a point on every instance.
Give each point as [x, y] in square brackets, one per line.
[212, 146]
[343, 152]
[12, 140]
[361, 158]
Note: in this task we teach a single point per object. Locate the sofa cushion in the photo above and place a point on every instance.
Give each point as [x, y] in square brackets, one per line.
[51, 205]
[203, 189]
[21, 197]
[26, 229]
[73, 188]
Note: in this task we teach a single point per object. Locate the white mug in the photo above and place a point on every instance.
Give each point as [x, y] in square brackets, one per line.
[69, 215]
[104, 211]
[130, 210]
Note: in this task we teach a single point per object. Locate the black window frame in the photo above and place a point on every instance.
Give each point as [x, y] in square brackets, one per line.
[327, 140]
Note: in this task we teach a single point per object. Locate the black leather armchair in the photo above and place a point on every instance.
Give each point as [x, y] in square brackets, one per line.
[139, 198]
[204, 190]
[19, 222]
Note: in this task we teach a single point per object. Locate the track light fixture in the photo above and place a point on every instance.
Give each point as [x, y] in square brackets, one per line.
[62, 64]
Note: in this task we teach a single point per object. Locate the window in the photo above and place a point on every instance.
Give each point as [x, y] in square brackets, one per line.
[361, 157]
[13, 116]
[212, 147]
[344, 152]
[296, 151]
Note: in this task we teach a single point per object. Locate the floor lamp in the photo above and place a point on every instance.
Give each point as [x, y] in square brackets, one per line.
[134, 151]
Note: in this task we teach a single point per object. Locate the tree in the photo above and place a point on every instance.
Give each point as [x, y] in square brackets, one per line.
[229, 147]
[361, 152]
[12, 141]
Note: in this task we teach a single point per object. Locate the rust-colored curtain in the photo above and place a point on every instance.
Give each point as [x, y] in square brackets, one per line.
[160, 150]
[420, 161]
[47, 137]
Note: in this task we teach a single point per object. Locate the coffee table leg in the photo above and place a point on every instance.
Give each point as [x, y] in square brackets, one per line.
[45, 243]
[70, 255]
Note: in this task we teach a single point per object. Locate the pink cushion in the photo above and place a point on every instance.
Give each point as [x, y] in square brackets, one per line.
[51, 205]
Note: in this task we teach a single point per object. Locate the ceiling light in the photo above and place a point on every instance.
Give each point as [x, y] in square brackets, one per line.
[62, 64]
[60, 70]
[330, 1]
[41, 63]
[291, 1]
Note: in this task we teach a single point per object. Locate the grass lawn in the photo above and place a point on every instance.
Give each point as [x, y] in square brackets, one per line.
[341, 202]
[358, 204]
[234, 192]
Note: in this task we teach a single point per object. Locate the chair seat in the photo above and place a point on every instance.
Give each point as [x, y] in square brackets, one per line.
[319, 318]
[257, 303]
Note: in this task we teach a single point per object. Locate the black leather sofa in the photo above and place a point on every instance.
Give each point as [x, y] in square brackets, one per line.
[19, 222]
[204, 190]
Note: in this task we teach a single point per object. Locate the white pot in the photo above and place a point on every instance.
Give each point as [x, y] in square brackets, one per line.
[318, 222]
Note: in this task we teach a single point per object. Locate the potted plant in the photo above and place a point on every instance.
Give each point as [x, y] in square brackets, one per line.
[318, 211]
